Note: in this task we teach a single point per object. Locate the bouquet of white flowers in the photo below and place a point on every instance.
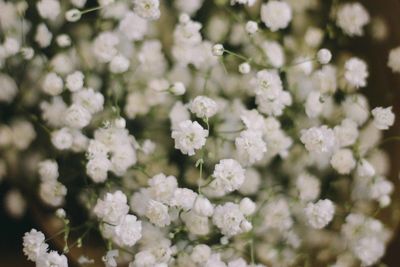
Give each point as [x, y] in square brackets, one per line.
[224, 133]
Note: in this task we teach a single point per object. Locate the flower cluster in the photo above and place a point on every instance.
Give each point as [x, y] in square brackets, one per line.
[230, 133]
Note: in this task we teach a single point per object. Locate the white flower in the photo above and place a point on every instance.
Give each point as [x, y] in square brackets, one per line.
[11, 46]
[204, 107]
[97, 169]
[73, 15]
[104, 46]
[89, 99]
[52, 84]
[48, 170]
[119, 64]
[383, 117]
[53, 111]
[109, 258]
[365, 169]
[356, 107]
[229, 175]
[346, 133]
[200, 254]
[343, 161]
[229, 219]
[320, 214]
[251, 183]
[157, 213]
[356, 72]
[369, 250]
[351, 18]
[133, 26]
[253, 120]
[129, 231]
[183, 198]
[251, 27]
[314, 104]
[250, 147]
[52, 192]
[52, 259]
[218, 50]
[189, 136]
[74, 81]
[270, 96]
[318, 139]
[77, 117]
[62, 139]
[8, 88]
[144, 258]
[203, 207]
[244, 68]
[15, 203]
[48, 9]
[34, 245]
[394, 59]
[63, 40]
[162, 187]
[178, 88]
[147, 9]
[43, 36]
[196, 224]
[324, 56]
[276, 14]
[309, 187]
[325, 79]
[112, 208]
[277, 215]
[247, 206]
[274, 52]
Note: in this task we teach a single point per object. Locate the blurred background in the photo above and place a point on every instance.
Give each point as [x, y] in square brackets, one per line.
[384, 89]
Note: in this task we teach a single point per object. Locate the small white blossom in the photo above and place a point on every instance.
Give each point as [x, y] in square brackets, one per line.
[52, 259]
[324, 56]
[356, 72]
[204, 107]
[320, 214]
[250, 147]
[157, 213]
[48, 9]
[251, 27]
[276, 14]
[189, 136]
[351, 18]
[112, 208]
[147, 9]
[383, 117]
[318, 139]
[229, 175]
[128, 232]
[52, 84]
[394, 59]
[77, 117]
[343, 161]
[48, 170]
[74, 81]
[229, 219]
[34, 245]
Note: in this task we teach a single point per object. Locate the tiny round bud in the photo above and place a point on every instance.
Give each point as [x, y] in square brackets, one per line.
[247, 206]
[224, 240]
[251, 27]
[63, 40]
[27, 53]
[120, 123]
[178, 88]
[244, 68]
[246, 226]
[73, 15]
[184, 18]
[324, 56]
[60, 213]
[218, 50]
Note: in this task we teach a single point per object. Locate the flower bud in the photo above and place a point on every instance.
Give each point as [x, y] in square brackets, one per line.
[73, 15]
